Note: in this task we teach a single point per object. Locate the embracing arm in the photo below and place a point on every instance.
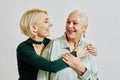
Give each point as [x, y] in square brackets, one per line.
[28, 55]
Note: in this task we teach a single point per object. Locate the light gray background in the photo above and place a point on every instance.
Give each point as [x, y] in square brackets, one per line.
[103, 31]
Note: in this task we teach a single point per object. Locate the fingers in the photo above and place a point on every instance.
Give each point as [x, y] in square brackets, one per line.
[82, 51]
[92, 49]
[86, 52]
[82, 47]
[66, 61]
[79, 47]
[90, 46]
[71, 60]
[93, 52]
[67, 58]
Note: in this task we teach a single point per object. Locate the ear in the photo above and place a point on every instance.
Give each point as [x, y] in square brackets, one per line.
[84, 27]
[34, 29]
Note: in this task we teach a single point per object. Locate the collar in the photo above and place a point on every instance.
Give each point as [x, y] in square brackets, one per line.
[31, 41]
[65, 43]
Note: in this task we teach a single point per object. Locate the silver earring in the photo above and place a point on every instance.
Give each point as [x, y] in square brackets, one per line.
[84, 34]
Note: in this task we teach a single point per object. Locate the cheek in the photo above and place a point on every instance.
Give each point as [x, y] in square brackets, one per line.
[41, 30]
[79, 30]
[65, 26]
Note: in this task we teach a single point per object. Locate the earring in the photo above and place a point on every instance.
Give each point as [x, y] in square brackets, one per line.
[84, 34]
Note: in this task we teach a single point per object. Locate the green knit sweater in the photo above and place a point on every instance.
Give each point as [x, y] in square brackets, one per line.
[29, 62]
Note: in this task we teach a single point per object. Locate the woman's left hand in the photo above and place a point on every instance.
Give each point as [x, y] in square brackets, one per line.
[71, 60]
[92, 49]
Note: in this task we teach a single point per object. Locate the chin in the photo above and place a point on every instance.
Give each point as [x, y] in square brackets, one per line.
[47, 35]
[70, 37]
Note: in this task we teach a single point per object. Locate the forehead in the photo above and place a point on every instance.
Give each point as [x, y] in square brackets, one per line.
[42, 16]
[74, 16]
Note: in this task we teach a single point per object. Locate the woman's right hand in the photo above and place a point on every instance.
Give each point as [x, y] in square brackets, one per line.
[81, 51]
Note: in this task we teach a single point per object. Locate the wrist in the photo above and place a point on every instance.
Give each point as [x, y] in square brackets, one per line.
[82, 70]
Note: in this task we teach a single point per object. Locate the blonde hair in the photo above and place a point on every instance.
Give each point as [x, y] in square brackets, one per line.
[28, 20]
[83, 16]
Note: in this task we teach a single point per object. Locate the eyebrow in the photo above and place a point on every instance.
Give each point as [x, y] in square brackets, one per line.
[73, 20]
[46, 18]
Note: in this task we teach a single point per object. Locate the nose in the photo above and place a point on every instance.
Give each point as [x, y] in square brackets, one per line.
[70, 25]
[51, 24]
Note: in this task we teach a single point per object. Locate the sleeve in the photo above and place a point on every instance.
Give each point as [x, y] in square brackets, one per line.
[28, 55]
[92, 72]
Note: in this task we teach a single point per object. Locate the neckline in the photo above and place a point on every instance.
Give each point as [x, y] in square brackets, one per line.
[31, 41]
[35, 42]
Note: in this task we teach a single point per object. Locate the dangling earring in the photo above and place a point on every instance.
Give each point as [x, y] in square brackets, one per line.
[84, 34]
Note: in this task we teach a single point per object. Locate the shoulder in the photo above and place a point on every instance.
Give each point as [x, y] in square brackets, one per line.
[56, 41]
[83, 42]
[23, 45]
[52, 43]
[59, 39]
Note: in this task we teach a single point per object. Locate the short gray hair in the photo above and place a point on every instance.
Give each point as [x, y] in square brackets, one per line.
[83, 15]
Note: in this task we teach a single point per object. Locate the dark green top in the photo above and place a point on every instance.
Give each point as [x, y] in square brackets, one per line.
[29, 62]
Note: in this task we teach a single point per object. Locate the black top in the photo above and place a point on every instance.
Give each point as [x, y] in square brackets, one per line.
[29, 62]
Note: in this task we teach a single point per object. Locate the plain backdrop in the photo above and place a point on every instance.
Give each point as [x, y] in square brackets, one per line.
[103, 31]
